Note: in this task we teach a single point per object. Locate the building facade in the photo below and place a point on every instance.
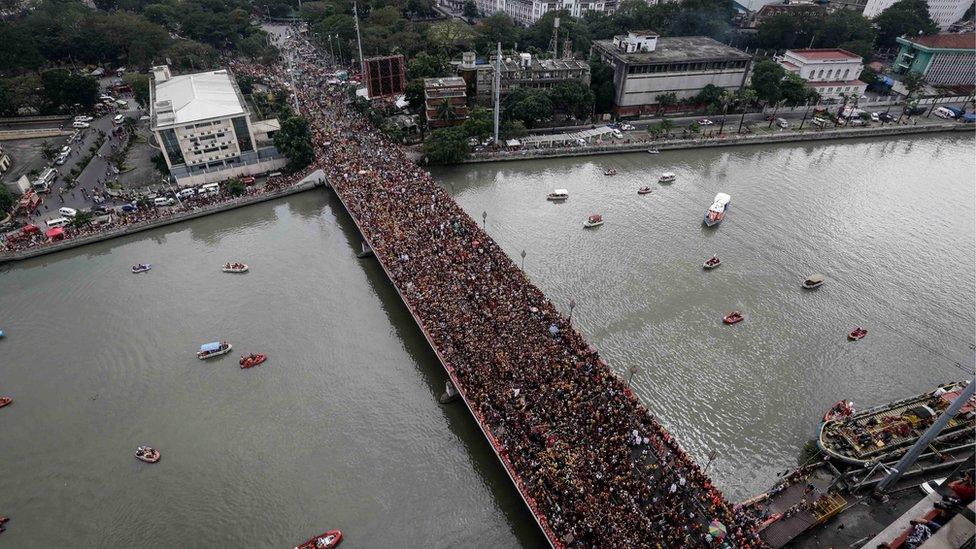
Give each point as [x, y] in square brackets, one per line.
[831, 72]
[445, 101]
[527, 12]
[943, 59]
[646, 66]
[943, 12]
[205, 130]
[523, 71]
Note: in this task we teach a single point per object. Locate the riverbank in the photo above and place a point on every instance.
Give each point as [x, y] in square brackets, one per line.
[19, 255]
[728, 140]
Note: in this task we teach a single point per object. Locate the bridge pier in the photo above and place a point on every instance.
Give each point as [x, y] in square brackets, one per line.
[450, 393]
[367, 251]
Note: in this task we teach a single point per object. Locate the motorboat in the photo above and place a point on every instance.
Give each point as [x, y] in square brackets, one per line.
[885, 432]
[711, 263]
[140, 268]
[558, 195]
[328, 540]
[667, 177]
[5, 401]
[594, 220]
[210, 350]
[147, 454]
[733, 318]
[842, 409]
[716, 212]
[251, 361]
[234, 268]
[644, 190]
[611, 171]
[857, 334]
[653, 151]
[814, 281]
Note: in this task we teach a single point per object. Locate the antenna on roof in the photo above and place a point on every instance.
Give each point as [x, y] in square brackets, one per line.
[554, 43]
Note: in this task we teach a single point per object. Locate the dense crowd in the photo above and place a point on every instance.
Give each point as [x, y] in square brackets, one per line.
[592, 462]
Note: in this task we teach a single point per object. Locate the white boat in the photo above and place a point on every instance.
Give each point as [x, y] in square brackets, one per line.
[140, 268]
[558, 195]
[814, 281]
[210, 350]
[594, 220]
[653, 151]
[230, 268]
[667, 177]
[611, 171]
[716, 212]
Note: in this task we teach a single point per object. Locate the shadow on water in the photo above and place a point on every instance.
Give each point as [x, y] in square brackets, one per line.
[460, 421]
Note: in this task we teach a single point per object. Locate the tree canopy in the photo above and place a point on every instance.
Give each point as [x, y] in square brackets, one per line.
[905, 17]
[294, 140]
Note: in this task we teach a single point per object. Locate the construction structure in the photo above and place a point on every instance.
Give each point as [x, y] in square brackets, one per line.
[385, 75]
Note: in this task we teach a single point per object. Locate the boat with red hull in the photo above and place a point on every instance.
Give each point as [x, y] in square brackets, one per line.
[842, 409]
[5, 401]
[857, 334]
[328, 540]
[733, 318]
[252, 360]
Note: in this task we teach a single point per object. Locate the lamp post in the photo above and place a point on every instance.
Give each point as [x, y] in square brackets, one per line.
[572, 305]
[523, 260]
[484, 220]
[633, 370]
[712, 454]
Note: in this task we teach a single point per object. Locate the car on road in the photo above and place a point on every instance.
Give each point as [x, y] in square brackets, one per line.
[58, 222]
[128, 208]
[118, 119]
[80, 125]
[618, 134]
[61, 159]
[705, 122]
[875, 117]
[886, 117]
[67, 212]
[627, 127]
[163, 201]
[186, 193]
[83, 118]
[914, 111]
[247, 181]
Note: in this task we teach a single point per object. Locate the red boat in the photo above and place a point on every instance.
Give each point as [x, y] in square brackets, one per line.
[842, 409]
[5, 401]
[252, 360]
[327, 540]
[857, 334]
[733, 318]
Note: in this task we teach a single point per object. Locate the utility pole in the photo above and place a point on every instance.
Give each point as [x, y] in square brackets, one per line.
[554, 44]
[923, 442]
[498, 90]
[359, 41]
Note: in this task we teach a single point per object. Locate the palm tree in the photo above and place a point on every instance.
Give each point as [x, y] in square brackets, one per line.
[82, 219]
[445, 111]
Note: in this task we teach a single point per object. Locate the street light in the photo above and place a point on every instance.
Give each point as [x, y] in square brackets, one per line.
[572, 305]
[523, 260]
[633, 370]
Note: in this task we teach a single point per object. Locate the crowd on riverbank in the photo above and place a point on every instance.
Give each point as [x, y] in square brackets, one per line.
[594, 465]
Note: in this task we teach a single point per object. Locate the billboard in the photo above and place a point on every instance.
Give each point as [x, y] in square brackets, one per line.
[385, 76]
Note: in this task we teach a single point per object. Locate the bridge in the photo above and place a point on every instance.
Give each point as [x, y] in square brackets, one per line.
[590, 462]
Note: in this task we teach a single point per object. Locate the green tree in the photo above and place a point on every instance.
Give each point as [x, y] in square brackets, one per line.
[7, 199]
[48, 151]
[414, 93]
[601, 82]
[572, 98]
[767, 78]
[528, 105]
[236, 187]
[903, 18]
[480, 124]
[540, 33]
[470, 9]
[795, 91]
[82, 218]
[64, 89]
[913, 82]
[140, 87]
[710, 96]
[424, 65]
[294, 140]
[512, 129]
[496, 28]
[664, 101]
[446, 146]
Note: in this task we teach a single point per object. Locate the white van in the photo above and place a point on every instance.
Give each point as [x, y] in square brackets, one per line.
[58, 222]
[210, 188]
[68, 212]
[163, 201]
[943, 112]
[118, 119]
[186, 193]
[80, 125]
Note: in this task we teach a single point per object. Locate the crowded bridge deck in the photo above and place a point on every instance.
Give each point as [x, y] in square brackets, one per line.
[592, 464]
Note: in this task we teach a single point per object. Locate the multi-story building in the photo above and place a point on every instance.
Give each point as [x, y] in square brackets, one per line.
[646, 66]
[522, 70]
[943, 12]
[943, 59]
[205, 129]
[831, 72]
[527, 12]
[445, 101]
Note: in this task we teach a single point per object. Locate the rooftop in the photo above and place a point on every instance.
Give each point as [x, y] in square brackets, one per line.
[444, 82]
[962, 41]
[825, 55]
[191, 97]
[676, 49]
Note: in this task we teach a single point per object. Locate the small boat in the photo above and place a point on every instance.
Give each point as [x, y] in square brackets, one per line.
[210, 350]
[667, 177]
[857, 334]
[234, 268]
[733, 318]
[558, 195]
[140, 268]
[716, 212]
[251, 361]
[611, 171]
[842, 409]
[644, 190]
[814, 281]
[327, 540]
[653, 151]
[147, 454]
[711, 263]
[594, 220]
[1, 334]
[5, 401]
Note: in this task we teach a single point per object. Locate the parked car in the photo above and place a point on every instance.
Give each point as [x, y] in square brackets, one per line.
[626, 127]
[875, 117]
[914, 111]
[61, 159]
[118, 119]
[782, 123]
[886, 117]
[247, 180]
[80, 125]
[67, 212]
[705, 122]
[128, 208]
[83, 118]
[186, 193]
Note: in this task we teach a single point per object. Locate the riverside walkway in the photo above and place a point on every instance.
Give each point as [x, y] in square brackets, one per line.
[592, 464]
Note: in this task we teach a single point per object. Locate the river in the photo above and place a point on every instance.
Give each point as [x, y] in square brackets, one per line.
[341, 428]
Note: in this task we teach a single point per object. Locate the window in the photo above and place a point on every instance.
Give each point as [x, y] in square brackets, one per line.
[830, 73]
[243, 137]
[172, 145]
[846, 73]
[820, 74]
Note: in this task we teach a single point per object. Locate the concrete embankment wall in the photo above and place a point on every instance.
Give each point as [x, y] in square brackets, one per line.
[155, 223]
[10, 135]
[730, 141]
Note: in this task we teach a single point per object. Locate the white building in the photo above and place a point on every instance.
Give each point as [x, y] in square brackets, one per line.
[205, 129]
[830, 72]
[527, 12]
[943, 12]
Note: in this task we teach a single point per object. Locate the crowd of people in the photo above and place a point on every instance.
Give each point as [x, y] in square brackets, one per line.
[594, 465]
